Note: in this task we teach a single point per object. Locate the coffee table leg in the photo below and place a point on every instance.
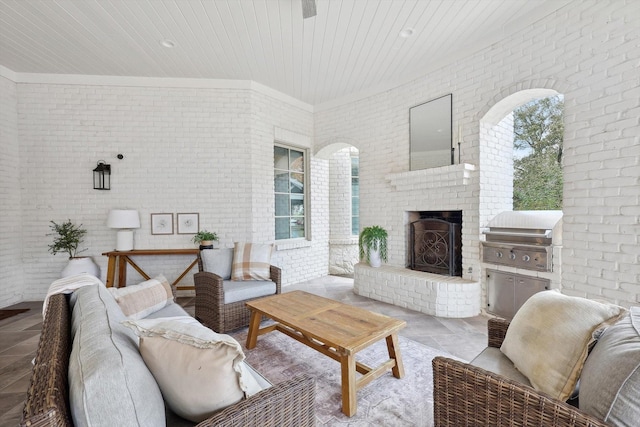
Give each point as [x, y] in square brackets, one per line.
[349, 390]
[394, 353]
[254, 325]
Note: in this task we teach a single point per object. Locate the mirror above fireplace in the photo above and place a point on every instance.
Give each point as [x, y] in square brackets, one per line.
[430, 131]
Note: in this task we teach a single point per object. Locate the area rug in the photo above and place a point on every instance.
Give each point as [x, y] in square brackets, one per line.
[5, 314]
[387, 401]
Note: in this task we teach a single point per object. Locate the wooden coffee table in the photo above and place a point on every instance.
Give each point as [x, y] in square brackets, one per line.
[334, 329]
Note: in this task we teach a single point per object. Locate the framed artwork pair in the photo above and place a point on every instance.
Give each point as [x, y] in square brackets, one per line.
[187, 223]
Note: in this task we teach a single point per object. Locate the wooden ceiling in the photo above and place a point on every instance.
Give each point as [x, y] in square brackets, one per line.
[349, 47]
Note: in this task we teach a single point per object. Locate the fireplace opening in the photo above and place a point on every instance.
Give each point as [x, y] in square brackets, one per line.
[435, 242]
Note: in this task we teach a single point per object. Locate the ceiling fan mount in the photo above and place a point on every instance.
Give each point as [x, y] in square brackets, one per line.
[308, 8]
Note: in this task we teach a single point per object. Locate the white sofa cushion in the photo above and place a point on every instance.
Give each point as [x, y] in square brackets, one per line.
[199, 371]
[235, 291]
[109, 383]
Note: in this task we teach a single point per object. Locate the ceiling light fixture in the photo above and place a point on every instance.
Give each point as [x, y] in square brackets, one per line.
[168, 43]
[406, 33]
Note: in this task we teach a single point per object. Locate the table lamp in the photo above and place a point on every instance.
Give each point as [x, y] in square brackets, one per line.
[124, 220]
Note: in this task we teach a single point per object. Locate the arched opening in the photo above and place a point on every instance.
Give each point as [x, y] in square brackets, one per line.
[497, 152]
[343, 206]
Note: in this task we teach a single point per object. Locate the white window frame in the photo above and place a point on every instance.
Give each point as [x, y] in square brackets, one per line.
[305, 203]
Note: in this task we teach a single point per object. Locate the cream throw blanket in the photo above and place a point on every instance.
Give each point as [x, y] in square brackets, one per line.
[67, 285]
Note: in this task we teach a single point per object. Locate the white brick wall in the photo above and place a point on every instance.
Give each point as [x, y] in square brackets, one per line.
[11, 268]
[343, 246]
[185, 150]
[587, 51]
[205, 150]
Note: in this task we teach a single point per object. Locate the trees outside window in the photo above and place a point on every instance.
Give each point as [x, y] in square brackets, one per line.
[538, 136]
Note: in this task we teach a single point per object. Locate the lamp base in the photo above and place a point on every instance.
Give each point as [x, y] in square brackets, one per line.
[124, 240]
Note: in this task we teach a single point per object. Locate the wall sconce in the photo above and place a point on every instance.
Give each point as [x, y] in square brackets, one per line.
[102, 176]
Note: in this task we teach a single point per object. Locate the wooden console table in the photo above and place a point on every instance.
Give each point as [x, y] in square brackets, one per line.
[120, 259]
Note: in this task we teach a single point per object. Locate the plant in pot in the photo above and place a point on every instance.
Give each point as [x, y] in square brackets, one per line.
[373, 245]
[205, 238]
[67, 239]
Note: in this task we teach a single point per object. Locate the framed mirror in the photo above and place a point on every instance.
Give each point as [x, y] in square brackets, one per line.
[430, 130]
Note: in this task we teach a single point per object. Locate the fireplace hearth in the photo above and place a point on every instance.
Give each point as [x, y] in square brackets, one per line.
[435, 240]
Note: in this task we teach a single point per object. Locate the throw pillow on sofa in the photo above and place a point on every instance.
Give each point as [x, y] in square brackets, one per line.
[549, 338]
[251, 261]
[139, 301]
[610, 380]
[199, 371]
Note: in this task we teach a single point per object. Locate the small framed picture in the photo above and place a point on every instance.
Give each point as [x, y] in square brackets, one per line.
[188, 223]
[161, 223]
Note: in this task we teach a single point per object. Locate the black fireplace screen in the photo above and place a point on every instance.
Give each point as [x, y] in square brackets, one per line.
[436, 246]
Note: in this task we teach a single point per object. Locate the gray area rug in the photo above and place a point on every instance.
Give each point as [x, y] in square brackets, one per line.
[387, 401]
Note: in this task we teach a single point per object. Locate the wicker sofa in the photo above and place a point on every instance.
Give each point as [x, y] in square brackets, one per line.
[289, 403]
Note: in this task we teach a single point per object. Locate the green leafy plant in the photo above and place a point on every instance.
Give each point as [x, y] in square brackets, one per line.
[205, 235]
[68, 238]
[372, 238]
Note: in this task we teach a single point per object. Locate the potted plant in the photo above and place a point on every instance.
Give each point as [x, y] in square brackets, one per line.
[205, 238]
[67, 238]
[373, 245]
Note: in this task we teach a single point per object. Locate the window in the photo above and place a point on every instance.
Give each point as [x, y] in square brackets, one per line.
[289, 176]
[355, 195]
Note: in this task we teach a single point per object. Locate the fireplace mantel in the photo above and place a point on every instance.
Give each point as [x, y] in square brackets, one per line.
[445, 176]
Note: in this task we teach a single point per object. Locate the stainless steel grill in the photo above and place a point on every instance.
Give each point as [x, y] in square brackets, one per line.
[523, 239]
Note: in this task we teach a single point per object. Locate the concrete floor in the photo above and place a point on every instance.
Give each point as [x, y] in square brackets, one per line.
[19, 336]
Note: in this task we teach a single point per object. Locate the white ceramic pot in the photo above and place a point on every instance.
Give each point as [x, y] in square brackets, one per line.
[81, 265]
[374, 258]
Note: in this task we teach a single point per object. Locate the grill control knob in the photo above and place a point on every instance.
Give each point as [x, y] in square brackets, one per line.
[498, 254]
[526, 258]
[512, 256]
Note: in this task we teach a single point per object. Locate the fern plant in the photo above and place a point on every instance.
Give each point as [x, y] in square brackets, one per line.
[372, 238]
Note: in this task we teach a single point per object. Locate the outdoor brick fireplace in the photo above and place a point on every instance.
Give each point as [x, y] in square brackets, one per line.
[446, 196]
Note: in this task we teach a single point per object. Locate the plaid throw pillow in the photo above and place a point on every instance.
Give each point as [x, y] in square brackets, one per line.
[251, 262]
[139, 301]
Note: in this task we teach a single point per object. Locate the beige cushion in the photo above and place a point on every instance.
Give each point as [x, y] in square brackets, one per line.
[251, 261]
[139, 301]
[549, 337]
[199, 371]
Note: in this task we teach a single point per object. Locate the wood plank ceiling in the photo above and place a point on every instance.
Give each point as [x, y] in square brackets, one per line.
[349, 47]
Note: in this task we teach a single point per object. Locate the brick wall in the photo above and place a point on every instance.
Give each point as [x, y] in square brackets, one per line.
[11, 278]
[343, 246]
[587, 51]
[204, 150]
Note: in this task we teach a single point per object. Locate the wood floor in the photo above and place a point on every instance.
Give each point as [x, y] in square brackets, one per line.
[19, 336]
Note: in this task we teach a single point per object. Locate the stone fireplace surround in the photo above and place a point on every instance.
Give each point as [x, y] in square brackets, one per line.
[433, 294]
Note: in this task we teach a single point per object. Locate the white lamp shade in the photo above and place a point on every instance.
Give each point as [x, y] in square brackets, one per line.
[123, 218]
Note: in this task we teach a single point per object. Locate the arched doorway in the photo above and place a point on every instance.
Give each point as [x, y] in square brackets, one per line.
[343, 206]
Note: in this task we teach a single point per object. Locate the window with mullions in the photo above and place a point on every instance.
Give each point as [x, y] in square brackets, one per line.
[289, 176]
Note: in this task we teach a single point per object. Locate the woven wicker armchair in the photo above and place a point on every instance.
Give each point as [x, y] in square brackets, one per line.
[211, 310]
[465, 395]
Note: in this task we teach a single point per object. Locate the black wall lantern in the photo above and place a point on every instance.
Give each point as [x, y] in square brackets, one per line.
[102, 176]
